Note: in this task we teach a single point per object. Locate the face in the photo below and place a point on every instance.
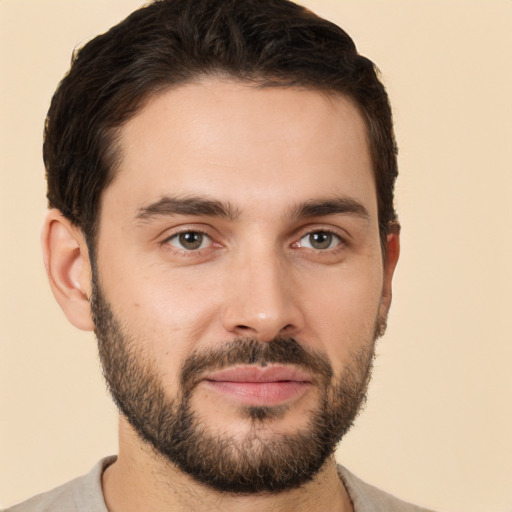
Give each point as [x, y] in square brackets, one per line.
[239, 281]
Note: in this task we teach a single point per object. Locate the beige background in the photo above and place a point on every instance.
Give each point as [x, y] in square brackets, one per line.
[438, 425]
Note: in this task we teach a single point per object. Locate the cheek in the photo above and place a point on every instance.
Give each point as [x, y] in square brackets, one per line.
[161, 320]
[343, 316]
[164, 307]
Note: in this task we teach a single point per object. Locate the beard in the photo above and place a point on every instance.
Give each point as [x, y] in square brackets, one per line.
[261, 461]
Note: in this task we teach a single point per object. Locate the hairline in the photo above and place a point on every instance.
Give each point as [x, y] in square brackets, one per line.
[114, 151]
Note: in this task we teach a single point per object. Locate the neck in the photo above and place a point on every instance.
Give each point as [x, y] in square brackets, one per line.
[142, 480]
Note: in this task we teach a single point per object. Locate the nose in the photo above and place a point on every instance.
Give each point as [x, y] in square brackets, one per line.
[261, 300]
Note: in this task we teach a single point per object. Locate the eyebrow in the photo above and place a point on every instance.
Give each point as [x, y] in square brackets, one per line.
[330, 206]
[169, 206]
[189, 205]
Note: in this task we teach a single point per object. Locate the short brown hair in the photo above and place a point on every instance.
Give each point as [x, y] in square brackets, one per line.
[173, 42]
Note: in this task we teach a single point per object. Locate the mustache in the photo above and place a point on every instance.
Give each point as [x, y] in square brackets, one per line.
[250, 351]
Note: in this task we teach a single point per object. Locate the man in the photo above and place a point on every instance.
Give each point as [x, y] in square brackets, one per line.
[220, 181]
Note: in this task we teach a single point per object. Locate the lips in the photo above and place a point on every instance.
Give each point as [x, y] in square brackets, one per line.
[257, 386]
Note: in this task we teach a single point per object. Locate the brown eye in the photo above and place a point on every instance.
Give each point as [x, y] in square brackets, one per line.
[189, 240]
[320, 240]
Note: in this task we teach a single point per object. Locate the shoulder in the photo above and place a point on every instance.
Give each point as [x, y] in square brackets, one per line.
[83, 494]
[367, 498]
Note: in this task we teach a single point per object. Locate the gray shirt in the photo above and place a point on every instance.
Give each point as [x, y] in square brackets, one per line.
[84, 494]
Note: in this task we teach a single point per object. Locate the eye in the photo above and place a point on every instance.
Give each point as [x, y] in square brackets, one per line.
[190, 240]
[320, 240]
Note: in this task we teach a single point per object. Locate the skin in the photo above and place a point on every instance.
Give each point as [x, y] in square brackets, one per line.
[265, 152]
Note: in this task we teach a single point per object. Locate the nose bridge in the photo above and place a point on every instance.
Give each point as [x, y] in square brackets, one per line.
[259, 298]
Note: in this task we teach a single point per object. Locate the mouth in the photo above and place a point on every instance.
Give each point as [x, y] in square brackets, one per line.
[257, 386]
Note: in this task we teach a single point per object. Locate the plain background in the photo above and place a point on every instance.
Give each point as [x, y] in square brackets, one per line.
[437, 427]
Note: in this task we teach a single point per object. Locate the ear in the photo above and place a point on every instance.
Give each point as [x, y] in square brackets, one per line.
[390, 261]
[66, 259]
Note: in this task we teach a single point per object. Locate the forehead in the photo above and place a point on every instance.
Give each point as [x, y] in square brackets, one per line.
[240, 143]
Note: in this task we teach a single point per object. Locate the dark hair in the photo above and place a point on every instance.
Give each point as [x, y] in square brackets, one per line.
[173, 42]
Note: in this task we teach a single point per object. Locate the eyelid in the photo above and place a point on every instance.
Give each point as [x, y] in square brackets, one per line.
[205, 239]
[179, 230]
[339, 232]
[340, 240]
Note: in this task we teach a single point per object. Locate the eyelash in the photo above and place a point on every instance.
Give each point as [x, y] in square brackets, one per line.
[341, 240]
[184, 251]
[194, 252]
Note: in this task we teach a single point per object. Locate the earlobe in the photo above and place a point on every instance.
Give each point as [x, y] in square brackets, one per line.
[67, 264]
